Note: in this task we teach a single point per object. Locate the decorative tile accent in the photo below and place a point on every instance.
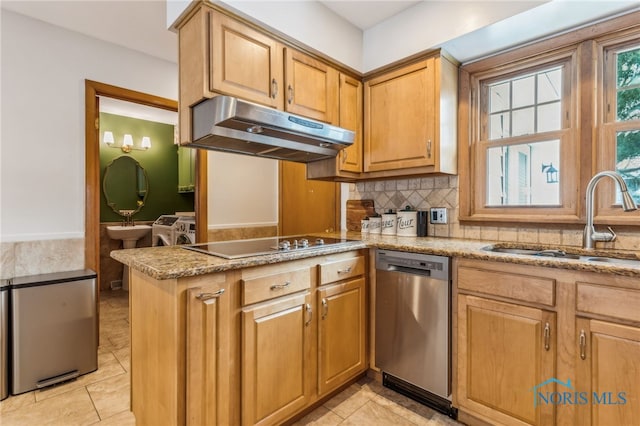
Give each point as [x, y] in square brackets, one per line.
[442, 191]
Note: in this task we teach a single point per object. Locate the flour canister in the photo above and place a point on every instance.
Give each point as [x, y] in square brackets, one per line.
[375, 224]
[407, 222]
[388, 223]
[364, 225]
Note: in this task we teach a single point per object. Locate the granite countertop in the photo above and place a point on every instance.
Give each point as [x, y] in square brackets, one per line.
[175, 261]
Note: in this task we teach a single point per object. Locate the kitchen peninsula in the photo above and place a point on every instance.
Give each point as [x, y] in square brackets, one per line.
[210, 336]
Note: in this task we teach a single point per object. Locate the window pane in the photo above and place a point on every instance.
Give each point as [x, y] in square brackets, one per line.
[549, 117]
[549, 86]
[523, 122]
[523, 92]
[628, 85]
[530, 101]
[499, 97]
[521, 175]
[628, 161]
[499, 126]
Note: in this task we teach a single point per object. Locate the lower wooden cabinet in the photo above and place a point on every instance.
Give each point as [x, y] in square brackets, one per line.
[276, 359]
[546, 346]
[207, 376]
[341, 333]
[608, 373]
[504, 352]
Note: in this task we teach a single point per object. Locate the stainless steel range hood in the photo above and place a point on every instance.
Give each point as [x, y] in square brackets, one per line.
[229, 124]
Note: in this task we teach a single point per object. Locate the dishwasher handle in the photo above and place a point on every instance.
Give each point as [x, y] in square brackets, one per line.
[408, 270]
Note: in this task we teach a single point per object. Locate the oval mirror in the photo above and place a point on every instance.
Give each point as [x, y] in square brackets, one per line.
[125, 185]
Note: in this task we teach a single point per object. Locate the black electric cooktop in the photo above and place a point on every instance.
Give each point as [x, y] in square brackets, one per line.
[262, 246]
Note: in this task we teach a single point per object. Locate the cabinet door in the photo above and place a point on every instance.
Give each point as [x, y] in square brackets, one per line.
[351, 119]
[341, 333]
[312, 87]
[208, 340]
[245, 63]
[608, 367]
[505, 353]
[400, 118]
[276, 359]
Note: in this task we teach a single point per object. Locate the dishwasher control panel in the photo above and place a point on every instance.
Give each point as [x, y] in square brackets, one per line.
[423, 264]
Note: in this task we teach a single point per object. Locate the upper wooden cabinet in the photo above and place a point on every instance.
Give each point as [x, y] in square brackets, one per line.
[311, 87]
[410, 119]
[244, 62]
[347, 166]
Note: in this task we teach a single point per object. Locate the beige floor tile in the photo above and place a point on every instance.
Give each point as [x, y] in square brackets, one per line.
[321, 416]
[124, 418]
[373, 414]
[110, 396]
[108, 366]
[70, 408]
[16, 402]
[124, 357]
[348, 401]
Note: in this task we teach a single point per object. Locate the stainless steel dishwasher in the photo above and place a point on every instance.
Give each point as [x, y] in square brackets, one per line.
[413, 326]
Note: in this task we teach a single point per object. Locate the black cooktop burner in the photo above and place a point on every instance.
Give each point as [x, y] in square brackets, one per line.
[261, 246]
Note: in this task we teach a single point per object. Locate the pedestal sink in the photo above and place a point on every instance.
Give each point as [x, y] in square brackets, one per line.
[129, 236]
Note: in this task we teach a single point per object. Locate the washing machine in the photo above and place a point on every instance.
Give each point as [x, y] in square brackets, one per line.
[169, 230]
[185, 230]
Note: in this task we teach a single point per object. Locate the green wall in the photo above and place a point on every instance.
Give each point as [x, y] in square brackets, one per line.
[160, 163]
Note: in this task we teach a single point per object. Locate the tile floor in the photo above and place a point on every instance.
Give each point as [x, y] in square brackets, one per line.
[102, 398]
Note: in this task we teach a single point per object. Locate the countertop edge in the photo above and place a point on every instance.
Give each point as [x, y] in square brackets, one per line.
[174, 262]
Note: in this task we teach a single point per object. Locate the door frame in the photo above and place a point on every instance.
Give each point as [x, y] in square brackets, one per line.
[93, 89]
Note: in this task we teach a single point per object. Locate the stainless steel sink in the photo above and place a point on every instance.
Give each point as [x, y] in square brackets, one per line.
[561, 254]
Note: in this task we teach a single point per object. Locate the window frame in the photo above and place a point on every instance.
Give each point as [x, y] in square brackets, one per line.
[606, 211]
[476, 208]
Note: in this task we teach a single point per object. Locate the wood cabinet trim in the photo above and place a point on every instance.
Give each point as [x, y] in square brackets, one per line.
[260, 289]
[618, 303]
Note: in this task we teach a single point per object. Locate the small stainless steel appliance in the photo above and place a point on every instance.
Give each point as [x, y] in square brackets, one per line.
[413, 326]
[54, 328]
[261, 246]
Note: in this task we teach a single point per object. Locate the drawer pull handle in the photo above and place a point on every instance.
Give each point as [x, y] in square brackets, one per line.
[290, 97]
[583, 345]
[429, 148]
[325, 308]
[280, 286]
[274, 88]
[207, 296]
[345, 270]
[547, 336]
[309, 314]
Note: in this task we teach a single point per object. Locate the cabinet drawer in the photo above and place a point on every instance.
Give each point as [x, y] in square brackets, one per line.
[525, 288]
[341, 270]
[612, 302]
[267, 287]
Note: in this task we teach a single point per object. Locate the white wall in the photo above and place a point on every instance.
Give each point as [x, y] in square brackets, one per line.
[42, 145]
[243, 191]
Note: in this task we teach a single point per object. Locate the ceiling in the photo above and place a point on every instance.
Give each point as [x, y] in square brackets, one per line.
[366, 14]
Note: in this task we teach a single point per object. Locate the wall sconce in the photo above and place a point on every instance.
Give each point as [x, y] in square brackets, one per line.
[552, 172]
[127, 142]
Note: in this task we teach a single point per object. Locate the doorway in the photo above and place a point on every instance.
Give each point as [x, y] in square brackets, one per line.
[93, 92]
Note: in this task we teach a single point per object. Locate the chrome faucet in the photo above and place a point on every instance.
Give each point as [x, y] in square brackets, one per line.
[590, 236]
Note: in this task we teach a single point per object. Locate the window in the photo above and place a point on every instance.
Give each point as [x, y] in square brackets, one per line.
[620, 137]
[522, 141]
[538, 121]
[529, 106]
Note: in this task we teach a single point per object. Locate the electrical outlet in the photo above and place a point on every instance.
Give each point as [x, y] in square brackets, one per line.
[439, 215]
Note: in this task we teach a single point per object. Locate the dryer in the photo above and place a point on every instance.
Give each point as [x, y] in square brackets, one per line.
[169, 230]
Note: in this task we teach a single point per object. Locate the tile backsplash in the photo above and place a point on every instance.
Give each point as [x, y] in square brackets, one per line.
[442, 191]
[40, 257]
